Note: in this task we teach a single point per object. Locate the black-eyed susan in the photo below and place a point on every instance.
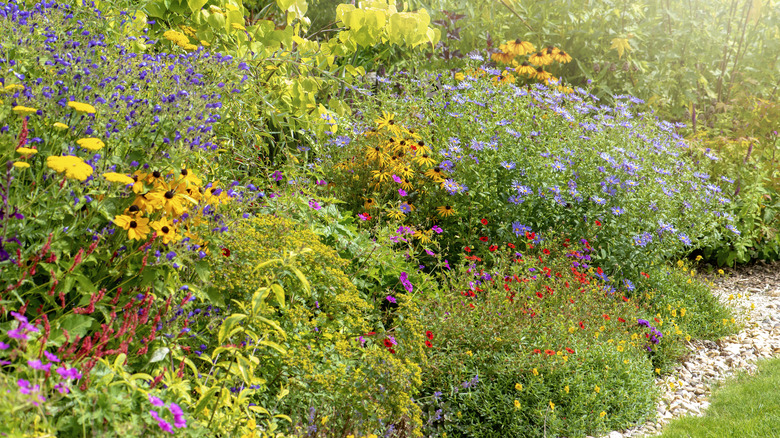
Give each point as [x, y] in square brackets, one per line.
[445, 211]
[424, 160]
[525, 69]
[395, 214]
[91, 143]
[173, 203]
[154, 178]
[133, 211]
[118, 178]
[381, 175]
[138, 181]
[378, 154]
[165, 230]
[74, 167]
[187, 178]
[406, 184]
[540, 59]
[24, 111]
[436, 174]
[424, 236]
[562, 57]
[137, 227]
[83, 108]
[421, 148]
[144, 204]
[502, 57]
[519, 47]
[542, 75]
[551, 51]
[369, 203]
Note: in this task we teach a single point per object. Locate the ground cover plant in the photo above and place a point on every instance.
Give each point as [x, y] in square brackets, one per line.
[194, 244]
[745, 406]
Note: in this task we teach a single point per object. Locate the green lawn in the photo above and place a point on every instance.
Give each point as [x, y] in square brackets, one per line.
[747, 406]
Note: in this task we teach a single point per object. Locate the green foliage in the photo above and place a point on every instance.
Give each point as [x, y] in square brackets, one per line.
[550, 347]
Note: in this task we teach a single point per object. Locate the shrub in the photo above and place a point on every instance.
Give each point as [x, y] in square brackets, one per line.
[540, 158]
[531, 342]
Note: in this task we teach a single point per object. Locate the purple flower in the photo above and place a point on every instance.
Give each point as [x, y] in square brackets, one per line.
[397, 179]
[156, 402]
[437, 229]
[404, 277]
[4, 346]
[391, 299]
[26, 388]
[313, 204]
[36, 364]
[62, 388]
[402, 192]
[72, 373]
[643, 322]
[178, 415]
[51, 357]
[17, 333]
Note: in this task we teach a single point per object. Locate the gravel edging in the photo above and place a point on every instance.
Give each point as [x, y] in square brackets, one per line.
[754, 293]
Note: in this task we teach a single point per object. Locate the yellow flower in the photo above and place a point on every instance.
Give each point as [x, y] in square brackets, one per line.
[23, 110]
[525, 69]
[602, 414]
[562, 57]
[173, 203]
[27, 151]
[91, 143]
[118, 178]
[436, 174]
[21, 164]
[386, 121]
[519, 47]
[370, 203]
[74, 167]
[517, 404]
[698, 258]
[166, 230]
[519, 386]
[187, 179]
[177, 38]
[502, 57]
[535, 372]
[720, 271]
[542, 75]
[237, 26]
[552, 406]
[597, 389]
[658, 371]
[445, 211]
[61, 126]
[424, 160]
[137, 228]
[13, 87]
[566, 389]
[540, 59]
[82, 107]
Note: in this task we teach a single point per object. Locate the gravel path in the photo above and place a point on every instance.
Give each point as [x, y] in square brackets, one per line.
[754, 292]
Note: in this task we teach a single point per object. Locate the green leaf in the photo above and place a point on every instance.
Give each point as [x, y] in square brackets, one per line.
[159, 354]
[204, 399]
[196, 5]
[227, 327]
[278, 293]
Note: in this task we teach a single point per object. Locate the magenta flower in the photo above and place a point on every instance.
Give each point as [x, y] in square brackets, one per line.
[51, 357]
[4, 346]
[391, 299]
[156, 401]
[72, 373]
[36, 364]
[62, 388]
[17, 333]
[178, 415]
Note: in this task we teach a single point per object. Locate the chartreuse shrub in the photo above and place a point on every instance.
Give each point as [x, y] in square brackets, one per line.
[532, 158]
[341, 373]
[529, 341]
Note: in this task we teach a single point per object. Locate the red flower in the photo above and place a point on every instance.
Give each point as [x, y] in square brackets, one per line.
[510, 245]
[387, 343]
[467, 249]
[391, 350]
[429, 335]
[598, 224]
[493, 248]
[582, 325]
[606, 317]
[569, 350]
[537, 351]
[484, 238]
[621, 319]
[546, 251]
[644, 275]
[370, 334]
[549, 352]
[625, 299]
[539, 294]
[226, 252]
[484, 221]
[428, 344]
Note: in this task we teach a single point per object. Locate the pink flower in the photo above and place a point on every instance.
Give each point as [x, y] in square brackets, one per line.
[36, 364]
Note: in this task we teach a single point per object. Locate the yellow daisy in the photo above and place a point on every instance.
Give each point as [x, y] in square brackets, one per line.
[525, 69]
[166, 230]
[540, 59]
[445, 211]
[137, 227]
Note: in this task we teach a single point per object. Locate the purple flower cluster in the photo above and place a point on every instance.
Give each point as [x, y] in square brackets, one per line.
[175, 410]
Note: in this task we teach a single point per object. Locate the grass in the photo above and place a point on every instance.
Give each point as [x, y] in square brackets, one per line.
[747, 406]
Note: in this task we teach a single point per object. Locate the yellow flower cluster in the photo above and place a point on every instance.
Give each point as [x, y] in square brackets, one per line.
[166, 197]
[533, 66]
[179, 39]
